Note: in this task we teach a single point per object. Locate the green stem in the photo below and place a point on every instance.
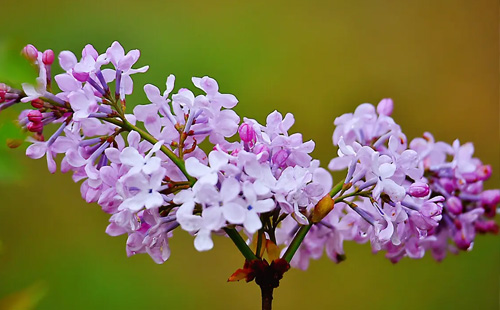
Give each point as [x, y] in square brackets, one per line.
[146, 136]
[240, 244]
[337, 188]
[296, 242]
[356, 193]
[260, 234]
[303, 230]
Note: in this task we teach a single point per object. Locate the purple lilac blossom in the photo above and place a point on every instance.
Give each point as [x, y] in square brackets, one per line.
[404, 198]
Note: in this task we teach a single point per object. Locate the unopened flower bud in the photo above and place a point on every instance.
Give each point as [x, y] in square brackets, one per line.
[489, 201]
[490, 197]
[4, 87]
[279, 158]
[461, 240]
[48, 57]
[322, 208]
[30, 52]
[419, 189]
[35, 127]
[385, 107]
[448, 185]
[470, 177]
[247, 133]
[35, 116]
[37, 103]
[483, 172]
[474, 188]
[484, 227]
[454, 205]
[430, 209]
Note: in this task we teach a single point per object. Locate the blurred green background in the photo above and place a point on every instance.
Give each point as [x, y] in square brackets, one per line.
[438, 60]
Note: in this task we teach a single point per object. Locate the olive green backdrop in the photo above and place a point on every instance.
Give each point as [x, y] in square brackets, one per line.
[438, 60]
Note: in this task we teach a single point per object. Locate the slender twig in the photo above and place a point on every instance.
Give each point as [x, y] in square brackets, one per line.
[240, 244]
[355, 193]
[337, 188]
[146, 136]
[267, 297]
[296, 242]
[258, 249]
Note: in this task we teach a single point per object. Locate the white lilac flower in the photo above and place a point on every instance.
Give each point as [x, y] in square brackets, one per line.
[147, 164]
[139, 191]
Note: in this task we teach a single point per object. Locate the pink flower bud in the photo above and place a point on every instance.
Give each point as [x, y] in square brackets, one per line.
[447, 184]
[30, 52]
[490, 197]
[35, 127]
[462, 241]
[484, 227]
[4, 87]
[483, 172]
[489, 201]
[37, 103]
[279, 158]
[470, 177]
[454, 205]
[48, 57]
[35, 116]
[474, 188]
[247, 134]
[430, 209]
[419, 189]
[385, 107]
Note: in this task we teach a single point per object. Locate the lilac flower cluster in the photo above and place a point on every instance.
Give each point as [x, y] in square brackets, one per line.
[402, 199]
[148, 171]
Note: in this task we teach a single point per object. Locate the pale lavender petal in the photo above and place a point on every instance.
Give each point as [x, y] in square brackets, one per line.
[133, 139]
[170, 84]
[113, 155]
[203, 241]
[51, 164]
[230, 189]
[263, 206]
[195, 168]
[152, 165]
[36, 150]
[387, 170]
[234, 213]
[252, 222]
[67, 83]
[67, 60]
[130, 156]
[153, 93]
[396, 192]
[154, 200]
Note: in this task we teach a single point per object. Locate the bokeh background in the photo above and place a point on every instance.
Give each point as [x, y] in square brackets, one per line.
[438, 60]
